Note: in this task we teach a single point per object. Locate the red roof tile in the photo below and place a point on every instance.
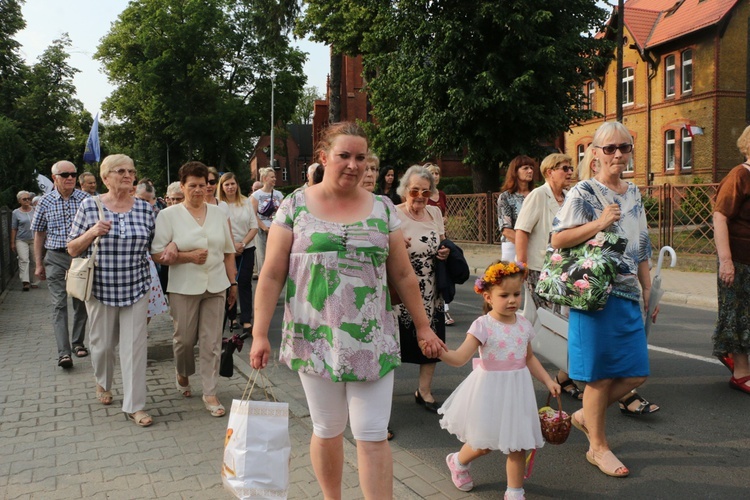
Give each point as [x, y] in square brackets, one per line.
[640, 23]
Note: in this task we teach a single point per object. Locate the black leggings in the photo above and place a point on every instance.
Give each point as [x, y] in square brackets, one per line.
[245, 263]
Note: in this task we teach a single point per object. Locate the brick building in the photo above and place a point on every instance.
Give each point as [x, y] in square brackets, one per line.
[293, 152]
[685, 86]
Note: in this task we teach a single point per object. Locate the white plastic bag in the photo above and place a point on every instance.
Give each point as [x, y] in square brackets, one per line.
[257, 449]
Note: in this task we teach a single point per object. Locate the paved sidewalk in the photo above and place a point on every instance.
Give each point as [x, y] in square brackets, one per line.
[58, 441]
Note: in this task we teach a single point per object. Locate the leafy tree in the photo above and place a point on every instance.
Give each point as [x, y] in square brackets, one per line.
[490, 79]
[47, 113]
[305, 106]
[12, 68]
[16, 165]
[180, 87]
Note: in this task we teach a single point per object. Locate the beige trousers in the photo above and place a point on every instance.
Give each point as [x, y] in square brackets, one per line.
[197, 321]
[126, 326]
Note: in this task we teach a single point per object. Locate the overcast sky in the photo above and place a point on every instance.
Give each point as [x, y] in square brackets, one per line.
[87, 21]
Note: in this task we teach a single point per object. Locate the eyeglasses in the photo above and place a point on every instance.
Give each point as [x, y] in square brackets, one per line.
[123, 171]
[25, 199]
[610, 149]
[65, 175]
[175, 198]
[212, 182]
[424, 193]
[564, 168]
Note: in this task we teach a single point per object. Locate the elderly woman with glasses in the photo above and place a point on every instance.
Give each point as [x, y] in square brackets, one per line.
[118, 305]
[22, 239]
[607, 349]
[423, 230]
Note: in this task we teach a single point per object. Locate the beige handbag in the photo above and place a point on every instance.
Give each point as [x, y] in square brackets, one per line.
[79, 279]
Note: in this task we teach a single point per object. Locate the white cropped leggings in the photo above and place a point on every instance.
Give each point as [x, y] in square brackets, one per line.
[366, 404]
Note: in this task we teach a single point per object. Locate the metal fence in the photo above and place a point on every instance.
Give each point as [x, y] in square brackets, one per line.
[8, 261]
[678, 215]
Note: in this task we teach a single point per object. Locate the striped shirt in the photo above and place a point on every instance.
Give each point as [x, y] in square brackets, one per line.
[122, 274]
[54, 216]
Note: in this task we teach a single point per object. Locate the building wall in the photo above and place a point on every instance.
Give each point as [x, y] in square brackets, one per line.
[716, 103]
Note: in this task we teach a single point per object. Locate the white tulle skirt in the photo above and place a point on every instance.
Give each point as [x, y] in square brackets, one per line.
[494, 410]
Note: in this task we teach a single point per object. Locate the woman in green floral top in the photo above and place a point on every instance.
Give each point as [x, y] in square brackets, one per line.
[335, 246]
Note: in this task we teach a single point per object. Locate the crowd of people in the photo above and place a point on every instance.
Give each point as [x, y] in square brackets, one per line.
[357, 248]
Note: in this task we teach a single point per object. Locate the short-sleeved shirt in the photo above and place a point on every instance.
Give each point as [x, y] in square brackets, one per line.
[54, 215]
[176, 224]
[508, 207]
[122, 274]
[583, 205]
[243, 220]
[441, 203]
[501, 341]
[338, 321]
[733, 201]
[536, 217]
[268, 203]
[21, 222]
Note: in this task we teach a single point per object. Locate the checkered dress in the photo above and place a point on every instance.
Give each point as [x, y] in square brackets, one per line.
[122, 272]
[54, 215]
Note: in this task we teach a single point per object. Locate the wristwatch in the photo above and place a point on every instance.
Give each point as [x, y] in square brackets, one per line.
[233, 284]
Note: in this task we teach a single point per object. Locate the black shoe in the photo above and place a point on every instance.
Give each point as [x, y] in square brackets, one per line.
[65, 361]
[431, 406]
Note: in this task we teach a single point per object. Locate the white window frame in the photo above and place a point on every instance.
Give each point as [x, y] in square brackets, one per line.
[670, 75]
[590, 95]
[581, 150]
[628, 86]
[686, 65]
[669, 147]
[285, 174]
[686, 144]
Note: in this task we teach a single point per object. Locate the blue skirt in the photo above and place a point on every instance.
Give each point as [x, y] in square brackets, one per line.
[610, 343]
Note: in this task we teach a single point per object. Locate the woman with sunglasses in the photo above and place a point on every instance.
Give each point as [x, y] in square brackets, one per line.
[607, 349]
[423, 230]
[532, 234]
[22, 240]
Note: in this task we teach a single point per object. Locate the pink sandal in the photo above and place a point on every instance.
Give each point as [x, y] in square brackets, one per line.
[608, 463]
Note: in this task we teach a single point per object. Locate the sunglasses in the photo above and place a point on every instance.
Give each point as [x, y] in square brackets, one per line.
[25, 199]
[424, 193]
[610, 149]
[174, 198]
[65, 175]
[566, 168]
[212, 182]
[123, 171]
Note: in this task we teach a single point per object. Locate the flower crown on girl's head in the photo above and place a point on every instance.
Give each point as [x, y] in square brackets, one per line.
[496, 272]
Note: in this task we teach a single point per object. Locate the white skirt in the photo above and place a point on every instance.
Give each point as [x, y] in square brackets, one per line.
[494, 410]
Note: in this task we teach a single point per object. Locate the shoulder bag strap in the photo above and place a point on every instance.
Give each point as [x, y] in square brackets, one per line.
[101, 217]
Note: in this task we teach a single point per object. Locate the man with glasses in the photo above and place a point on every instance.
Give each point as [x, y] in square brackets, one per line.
[51, 226]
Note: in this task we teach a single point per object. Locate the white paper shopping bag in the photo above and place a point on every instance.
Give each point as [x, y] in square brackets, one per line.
[257, 449]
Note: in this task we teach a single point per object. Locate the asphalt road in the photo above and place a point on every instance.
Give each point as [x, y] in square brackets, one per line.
[696, 446]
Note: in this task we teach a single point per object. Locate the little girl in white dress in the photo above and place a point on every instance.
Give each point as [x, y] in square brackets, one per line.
[495, 407]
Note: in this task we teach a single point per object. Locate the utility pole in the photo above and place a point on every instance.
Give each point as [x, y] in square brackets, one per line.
[273, 84]
[620, 29]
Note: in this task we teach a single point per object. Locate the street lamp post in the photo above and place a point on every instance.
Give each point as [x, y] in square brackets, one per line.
[273, 84]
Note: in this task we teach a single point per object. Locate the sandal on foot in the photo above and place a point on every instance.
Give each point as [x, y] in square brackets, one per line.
[740, 384]
[80, 351]
[215, 410]
[644, 407]
[579, 424]
[608, 463]
[728, 361]
[26, 286]
[185, 390]
[571, 389]
[104, 397]
[390, 434]
[140, 418]
[65, 361]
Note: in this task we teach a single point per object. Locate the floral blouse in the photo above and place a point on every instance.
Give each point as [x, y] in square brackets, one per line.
[500, 341]
[582, 205]
[338, 321]
[508, 206]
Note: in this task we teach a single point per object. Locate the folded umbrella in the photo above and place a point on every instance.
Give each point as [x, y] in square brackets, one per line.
[656, 290]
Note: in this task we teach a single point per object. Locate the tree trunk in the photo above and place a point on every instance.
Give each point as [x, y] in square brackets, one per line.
[334, 95]
[485, 178]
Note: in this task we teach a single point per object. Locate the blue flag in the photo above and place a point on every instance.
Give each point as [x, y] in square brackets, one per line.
[92, 152]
